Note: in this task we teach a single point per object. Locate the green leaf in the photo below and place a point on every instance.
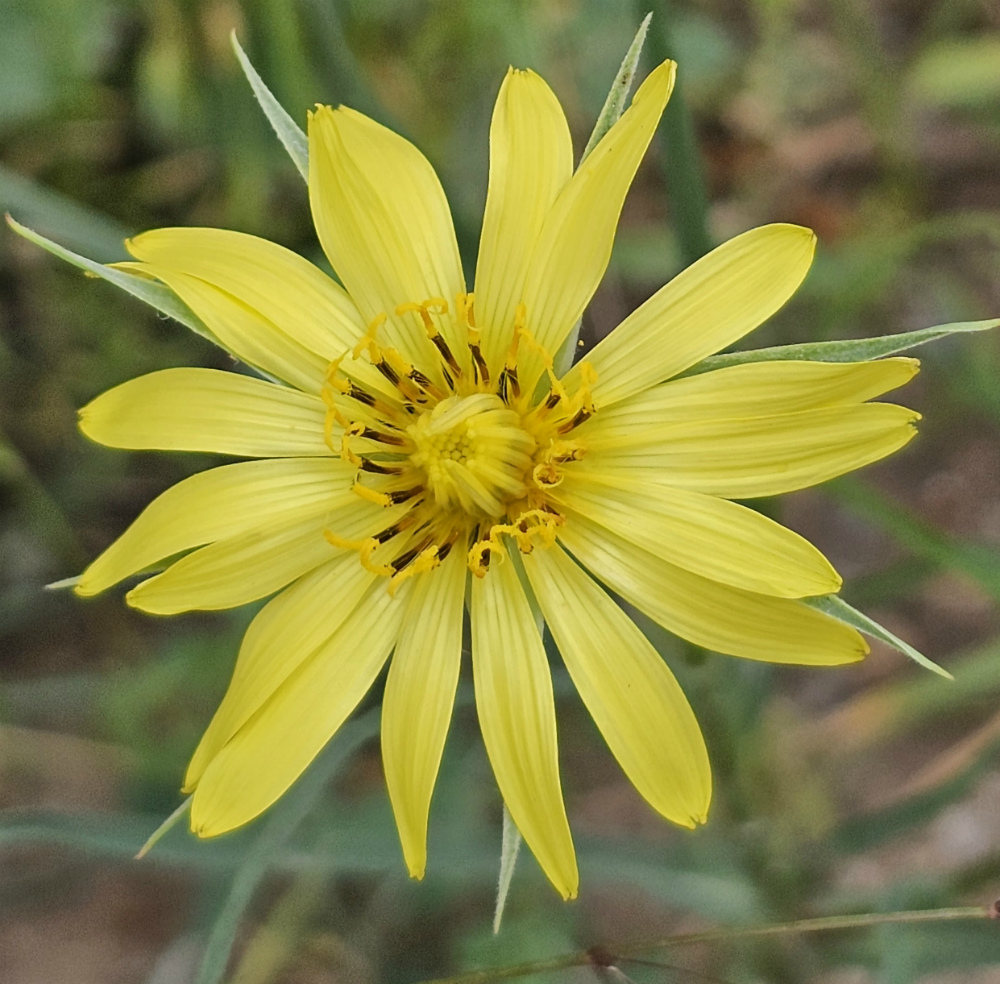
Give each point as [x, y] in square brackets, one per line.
[289, 133]
[510, 848]
[154, 294]
[683, 169]
[845, 350]
[614, 106]
[837, 608]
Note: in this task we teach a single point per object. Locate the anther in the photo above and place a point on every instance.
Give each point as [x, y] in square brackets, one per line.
[404, 495]
[394, 440]
[366, 464]
[407, 556]
[578, 418]
[394, 529]
[426, 560]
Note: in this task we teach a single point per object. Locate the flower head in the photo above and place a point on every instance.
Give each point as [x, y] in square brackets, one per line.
[418, 449]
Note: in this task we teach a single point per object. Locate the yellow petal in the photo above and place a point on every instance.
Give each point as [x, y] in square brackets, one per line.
[756, 389]
[419, 696]
[574, 245]
[755, 456]
[384, 223]
[245, 332]
[706, 307]
[284, 633]
[718, 539]
[272, 750]
[217, 504]
[289, 319]
[709, 614]
[518, 720]
[531, 159]
[241, 569]
[628, 689]
[300, 300]
[207, 410]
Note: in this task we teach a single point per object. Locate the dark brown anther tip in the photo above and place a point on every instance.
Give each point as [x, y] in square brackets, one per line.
[995, 910]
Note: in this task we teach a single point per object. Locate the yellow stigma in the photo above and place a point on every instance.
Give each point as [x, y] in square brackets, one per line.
[474, 453]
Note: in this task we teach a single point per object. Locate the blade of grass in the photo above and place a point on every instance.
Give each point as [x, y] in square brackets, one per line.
[981, 563]
[683, 171]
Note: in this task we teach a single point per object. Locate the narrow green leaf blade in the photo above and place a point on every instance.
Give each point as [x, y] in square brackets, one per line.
[845, 350]
[154, 294]
[614, 106]
[289, 133]
[837, 608]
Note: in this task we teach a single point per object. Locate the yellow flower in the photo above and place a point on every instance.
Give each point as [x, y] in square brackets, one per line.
[417, 453]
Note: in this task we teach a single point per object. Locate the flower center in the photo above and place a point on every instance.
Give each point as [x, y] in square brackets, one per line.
[455, 458]
[474, 454]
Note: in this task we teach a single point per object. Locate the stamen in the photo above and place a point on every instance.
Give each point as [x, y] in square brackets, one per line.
[367, 549]
[377, 469]
[410, 380]
[341, 542]
[379, 498]
[578, 418]
[393, 440]
[439, 306]
[368, 340]
[508, 384]
[466, 319]
[424, 560]
[558, 391]
[404, 495]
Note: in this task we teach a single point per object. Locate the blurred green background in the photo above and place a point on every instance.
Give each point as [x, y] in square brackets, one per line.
[875, 787]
